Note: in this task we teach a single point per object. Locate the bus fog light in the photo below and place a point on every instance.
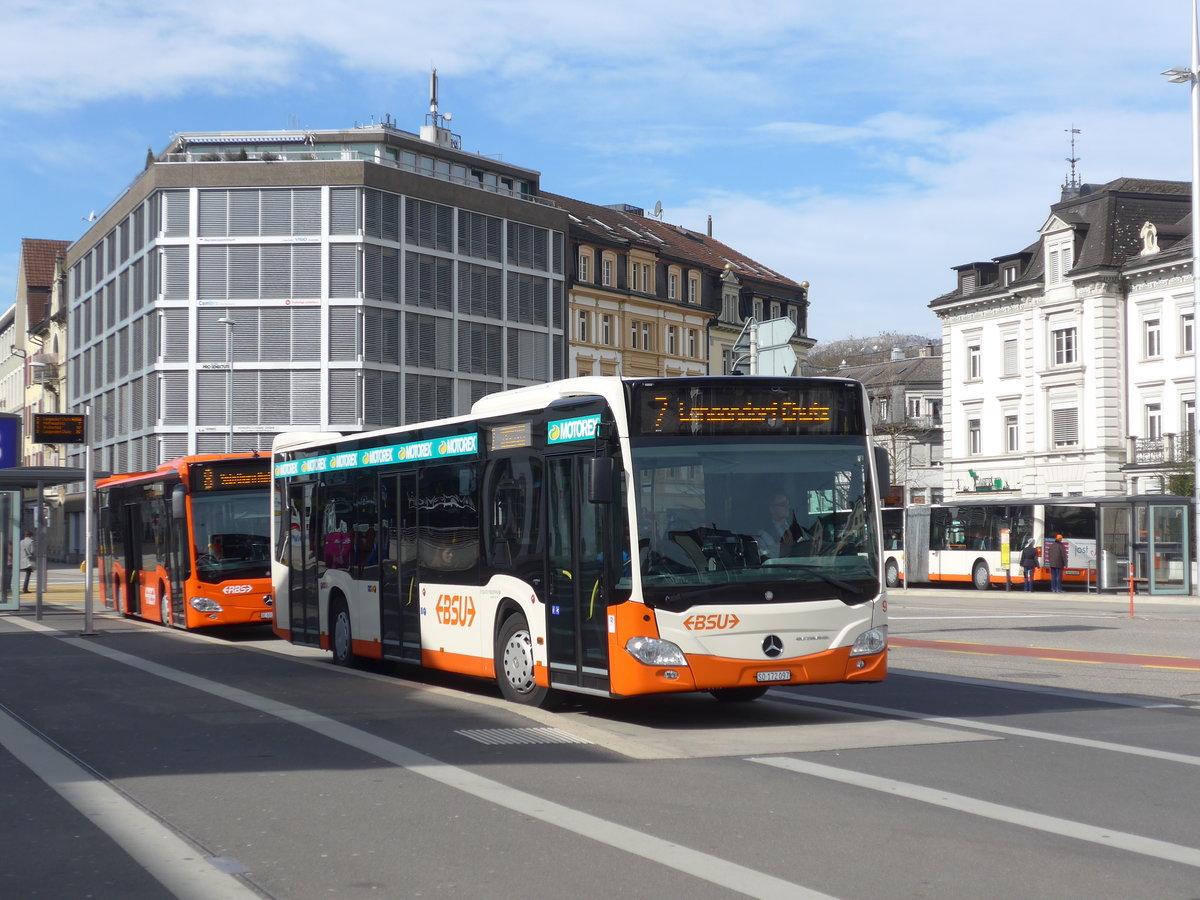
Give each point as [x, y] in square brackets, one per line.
[655, 652]
[670, 675]
[203, 604]
[872, 641]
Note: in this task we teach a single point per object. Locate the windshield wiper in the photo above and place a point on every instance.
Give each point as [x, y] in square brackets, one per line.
[820, 572]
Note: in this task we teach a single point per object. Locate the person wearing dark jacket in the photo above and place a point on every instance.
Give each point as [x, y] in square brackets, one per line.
[1056, 560]
[1029, 562]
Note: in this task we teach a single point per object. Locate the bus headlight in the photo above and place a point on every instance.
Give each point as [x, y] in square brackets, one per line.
[872, 641]
[203, 604]
[655, 652]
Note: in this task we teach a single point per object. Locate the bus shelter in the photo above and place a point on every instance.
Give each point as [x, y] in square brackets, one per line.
[14, 481]
[1147, 538]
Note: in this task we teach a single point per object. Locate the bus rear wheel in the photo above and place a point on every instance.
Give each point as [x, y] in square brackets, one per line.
[341, 638]
[891, 573]
[980, 576]
[514, 664]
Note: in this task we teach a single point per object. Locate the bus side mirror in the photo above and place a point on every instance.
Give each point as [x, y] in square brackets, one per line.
[883, 470]
[600, 482]
[178, 509]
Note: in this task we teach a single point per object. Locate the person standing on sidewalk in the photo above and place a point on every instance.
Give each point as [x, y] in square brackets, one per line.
[1029, 562]
[1056, 559]
[27, 559]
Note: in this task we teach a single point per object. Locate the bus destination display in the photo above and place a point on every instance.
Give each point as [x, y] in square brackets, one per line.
[746, 407]
[231, 475]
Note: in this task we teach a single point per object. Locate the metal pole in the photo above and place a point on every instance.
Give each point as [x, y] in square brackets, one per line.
[39, 550]
[228, 323]
[1195, 284]
[89, 537]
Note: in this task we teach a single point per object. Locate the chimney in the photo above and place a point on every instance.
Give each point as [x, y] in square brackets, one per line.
[897, 353]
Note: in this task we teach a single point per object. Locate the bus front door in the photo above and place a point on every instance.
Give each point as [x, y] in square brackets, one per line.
[577, 620]
[399, 603]
[131, 591]
[303, 609]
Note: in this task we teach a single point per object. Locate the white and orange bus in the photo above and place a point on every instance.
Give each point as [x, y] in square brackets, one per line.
[188, 544]
[597, 535]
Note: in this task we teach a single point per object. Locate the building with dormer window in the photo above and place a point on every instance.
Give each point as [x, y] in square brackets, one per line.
[1068, 366]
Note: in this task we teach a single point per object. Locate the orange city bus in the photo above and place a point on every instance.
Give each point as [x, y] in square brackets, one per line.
[599, 535]
[187, 544]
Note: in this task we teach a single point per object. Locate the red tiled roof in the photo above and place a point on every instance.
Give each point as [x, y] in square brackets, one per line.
[37, 259]
[616, 225]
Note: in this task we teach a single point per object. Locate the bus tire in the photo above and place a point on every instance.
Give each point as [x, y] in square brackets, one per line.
[891, 573]
[514, 664]
[738, 694]
[341, 637]
[980, 576]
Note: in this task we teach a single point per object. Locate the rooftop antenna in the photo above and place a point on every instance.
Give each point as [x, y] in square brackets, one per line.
[658, 210]
[434, 130]
[1070, 188]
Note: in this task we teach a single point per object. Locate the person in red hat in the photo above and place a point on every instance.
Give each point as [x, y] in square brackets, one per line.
[1056, 561]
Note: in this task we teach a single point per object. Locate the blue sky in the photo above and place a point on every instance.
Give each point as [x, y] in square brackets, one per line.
[864, 146]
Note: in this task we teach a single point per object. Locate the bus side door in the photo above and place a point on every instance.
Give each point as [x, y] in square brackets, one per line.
[399, 600]
[303, 602]
[577, 623]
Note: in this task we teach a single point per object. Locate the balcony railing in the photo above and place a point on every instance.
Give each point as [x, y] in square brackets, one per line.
[1170, 448]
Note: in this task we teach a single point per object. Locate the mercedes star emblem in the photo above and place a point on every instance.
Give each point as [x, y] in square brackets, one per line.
[772, 645]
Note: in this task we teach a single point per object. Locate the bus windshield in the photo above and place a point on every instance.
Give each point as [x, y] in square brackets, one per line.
[754, 520]
[230, 532]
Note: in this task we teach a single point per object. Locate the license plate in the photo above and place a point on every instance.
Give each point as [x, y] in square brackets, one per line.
[266, 615]
[775, 675]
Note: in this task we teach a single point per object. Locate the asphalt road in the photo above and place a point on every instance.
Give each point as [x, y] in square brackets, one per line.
[1022, 746]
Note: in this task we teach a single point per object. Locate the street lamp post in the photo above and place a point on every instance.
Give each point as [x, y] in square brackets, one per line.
[1191, 75]
[229, 326]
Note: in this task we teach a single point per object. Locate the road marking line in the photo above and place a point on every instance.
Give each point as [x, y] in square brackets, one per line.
[179, 866]
[1132, 843]
[1009, 730]
[1090, 696]
[1055, 654]
[703, 866]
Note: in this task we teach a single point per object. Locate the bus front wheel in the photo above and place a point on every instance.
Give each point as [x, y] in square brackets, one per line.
[514, 664]
[980, 576]
[341, 638]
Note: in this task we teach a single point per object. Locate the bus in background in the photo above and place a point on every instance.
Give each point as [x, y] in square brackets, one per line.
[188, 544]
[598, 535]
[892, 518]
[962, 543]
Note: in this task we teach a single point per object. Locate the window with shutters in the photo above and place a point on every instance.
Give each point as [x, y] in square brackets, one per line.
[528, 299]
[1059, 254]
[343, 210]
[428, 225]
[480, 291]
[343, 397]
[427, 397]
[174, 340]
[174, 398]
[427, 281]
[480, 348]
[343, 270]
[527, 355]
[175, 213]
[479, 235]
[527, 246]
[175, 273]
[1064, 426]
[1012, 360]
[427, 341]
[344, 339]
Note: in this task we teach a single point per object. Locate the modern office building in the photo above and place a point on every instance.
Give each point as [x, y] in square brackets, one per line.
[309, 280]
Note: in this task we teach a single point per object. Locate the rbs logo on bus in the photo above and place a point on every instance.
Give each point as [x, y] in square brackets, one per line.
[455, 609]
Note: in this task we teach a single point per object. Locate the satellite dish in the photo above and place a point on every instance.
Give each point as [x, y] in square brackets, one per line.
[658, 210]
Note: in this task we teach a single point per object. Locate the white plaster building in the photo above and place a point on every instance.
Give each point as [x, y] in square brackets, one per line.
[1068, 366]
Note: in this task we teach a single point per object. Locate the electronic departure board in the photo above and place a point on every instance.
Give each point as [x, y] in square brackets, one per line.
[746, 406]
[59, 428]
[230, 474]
